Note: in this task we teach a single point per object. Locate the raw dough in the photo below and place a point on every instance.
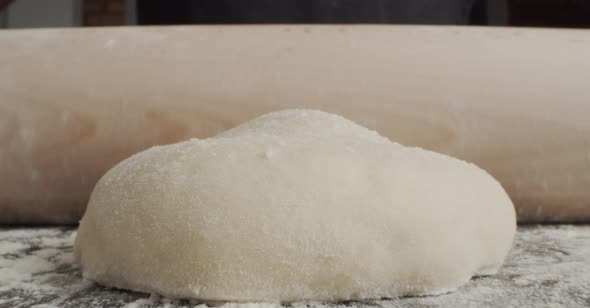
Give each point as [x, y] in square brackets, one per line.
[294, 205]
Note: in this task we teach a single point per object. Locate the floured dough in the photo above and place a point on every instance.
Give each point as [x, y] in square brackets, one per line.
[293, 205]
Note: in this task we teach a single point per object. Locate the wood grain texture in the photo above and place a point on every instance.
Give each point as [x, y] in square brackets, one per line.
[75, 102]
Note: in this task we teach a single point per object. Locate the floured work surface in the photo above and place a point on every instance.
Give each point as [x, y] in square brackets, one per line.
[547, 265]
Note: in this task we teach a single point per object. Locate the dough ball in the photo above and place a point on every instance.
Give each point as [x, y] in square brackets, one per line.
[293, 205]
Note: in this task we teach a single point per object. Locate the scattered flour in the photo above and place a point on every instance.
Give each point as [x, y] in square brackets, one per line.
[10, 247]
[549, 266]
[139, 303]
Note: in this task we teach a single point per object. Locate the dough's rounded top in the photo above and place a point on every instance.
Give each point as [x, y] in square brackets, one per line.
[293, 205]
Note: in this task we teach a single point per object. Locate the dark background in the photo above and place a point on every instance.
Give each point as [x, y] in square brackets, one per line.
[532, 13]
[541, 13]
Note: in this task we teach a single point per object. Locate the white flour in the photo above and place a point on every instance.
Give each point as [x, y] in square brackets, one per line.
[548, 266]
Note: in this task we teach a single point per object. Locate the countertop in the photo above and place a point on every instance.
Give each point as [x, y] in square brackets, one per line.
[549, 266]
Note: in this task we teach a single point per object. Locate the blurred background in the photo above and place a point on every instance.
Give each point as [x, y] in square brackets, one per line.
[80, 13]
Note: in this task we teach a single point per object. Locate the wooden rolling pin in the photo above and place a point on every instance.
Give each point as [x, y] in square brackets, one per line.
[74, 102]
